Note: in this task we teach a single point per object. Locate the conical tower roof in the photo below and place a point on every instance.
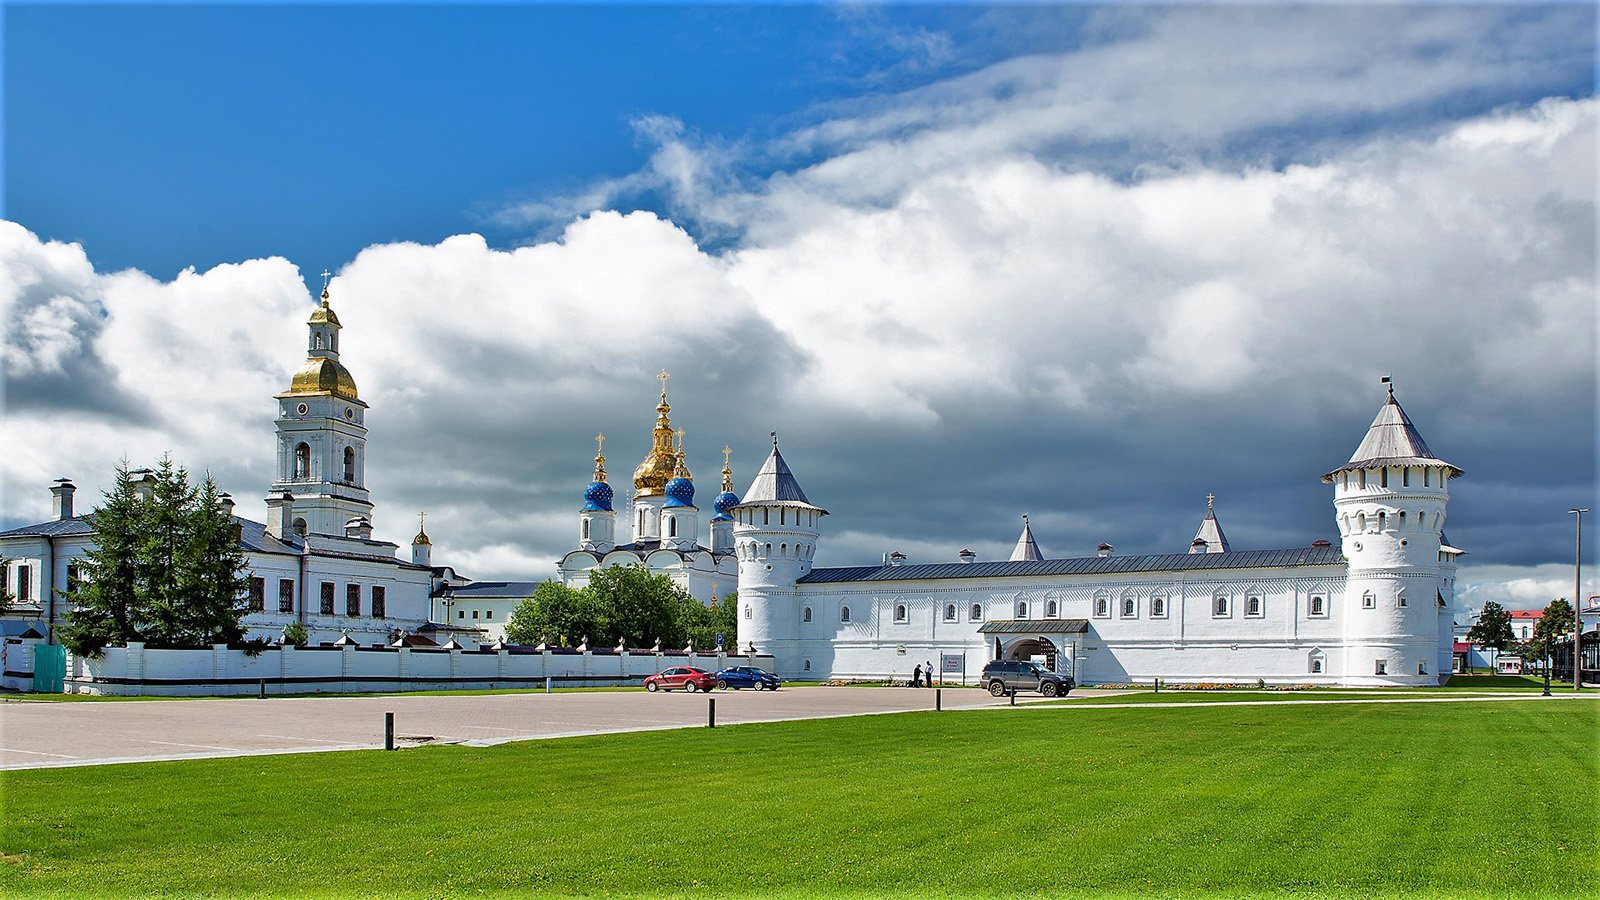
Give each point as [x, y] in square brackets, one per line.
[1392, 441]
[1027, 548]
[1209, 539]
[775, 485]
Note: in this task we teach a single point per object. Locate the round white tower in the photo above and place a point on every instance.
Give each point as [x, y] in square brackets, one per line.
[1390, 501]
[597, 521]
[421, 546]
[775, 539]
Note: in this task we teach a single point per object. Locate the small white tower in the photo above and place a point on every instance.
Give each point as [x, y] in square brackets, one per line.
[1209, 539]
[722, 522]
[680, 518]
[421, 547]
[322, 436]
[597, 521]
[775, 537]
[1027, 549]
[1390, 503]
[651, 477]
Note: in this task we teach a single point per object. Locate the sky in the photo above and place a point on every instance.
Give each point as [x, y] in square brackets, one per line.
[1080, 262]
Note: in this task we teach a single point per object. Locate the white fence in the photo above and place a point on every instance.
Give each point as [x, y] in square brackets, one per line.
[135, 670]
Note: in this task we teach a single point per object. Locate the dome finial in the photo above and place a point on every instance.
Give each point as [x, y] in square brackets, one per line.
[325, 276]
[679, 469]
[422, 533]
[600, 458]
[727, 469]
[1388, 381]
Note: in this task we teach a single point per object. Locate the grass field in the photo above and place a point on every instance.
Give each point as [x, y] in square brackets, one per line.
[1335, 800]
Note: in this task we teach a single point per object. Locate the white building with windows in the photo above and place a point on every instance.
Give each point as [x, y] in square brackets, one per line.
[1374, 611]
[314, 561]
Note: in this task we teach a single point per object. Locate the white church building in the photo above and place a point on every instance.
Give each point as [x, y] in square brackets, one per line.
[1375, 611]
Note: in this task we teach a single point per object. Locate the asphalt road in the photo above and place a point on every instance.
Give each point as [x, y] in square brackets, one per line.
[39, 734]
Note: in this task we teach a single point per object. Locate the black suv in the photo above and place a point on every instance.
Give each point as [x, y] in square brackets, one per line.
[1004, 675]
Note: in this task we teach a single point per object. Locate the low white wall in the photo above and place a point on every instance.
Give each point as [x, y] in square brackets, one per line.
[16, 664]
[135, 670]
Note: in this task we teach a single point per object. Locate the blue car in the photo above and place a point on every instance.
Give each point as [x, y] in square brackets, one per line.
[737, 677]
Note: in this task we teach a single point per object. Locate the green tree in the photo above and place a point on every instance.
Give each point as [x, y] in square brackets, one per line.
[1493, 628]
[1553, 627]
[635, 607]
[555, 614]
[166, 570]
[702, 622]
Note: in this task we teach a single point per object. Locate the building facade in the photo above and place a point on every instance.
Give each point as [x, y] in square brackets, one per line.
[1376, 610]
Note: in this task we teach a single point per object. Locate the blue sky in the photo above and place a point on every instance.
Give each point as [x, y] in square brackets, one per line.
[1088, 263]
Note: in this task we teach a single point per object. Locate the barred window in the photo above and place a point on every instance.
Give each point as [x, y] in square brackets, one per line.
[327, 598]
[285, 595]
[258, 594]
[379, 596]
[352, 599]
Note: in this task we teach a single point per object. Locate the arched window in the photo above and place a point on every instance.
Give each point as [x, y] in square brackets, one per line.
[844, 614]
[1252, 605]
[1158, 606]
[783, 549]
[1319, 605]
[300, 527]
[1402, 525]
[302, 462]
[808, 665]
[766, 517]
[1022, 609]
[1361, 522]
[1383, 519]
[1219, 605]
[900, 614]
[769, 549]
[586, 529]
[672, 526]
[805, 615]
[316, 341]
[1130, 607]
[1051, 609]
[975, 614]
[949, 612]
[1102, 605]
[350, 465]
[747, 612]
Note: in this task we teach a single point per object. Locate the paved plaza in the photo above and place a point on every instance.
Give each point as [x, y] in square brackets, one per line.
[36, 734]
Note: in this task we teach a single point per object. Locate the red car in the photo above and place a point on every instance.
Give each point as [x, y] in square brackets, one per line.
[686, 677]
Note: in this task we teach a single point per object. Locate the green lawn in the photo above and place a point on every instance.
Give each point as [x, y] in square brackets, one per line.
[1335, 800]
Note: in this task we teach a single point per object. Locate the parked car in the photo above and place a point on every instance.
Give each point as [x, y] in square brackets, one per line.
[737, 677]
[1005, 675]
[686, 678]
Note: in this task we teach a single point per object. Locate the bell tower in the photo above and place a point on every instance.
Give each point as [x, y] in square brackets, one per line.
[597, 521]
[775, 538]
[322, 440]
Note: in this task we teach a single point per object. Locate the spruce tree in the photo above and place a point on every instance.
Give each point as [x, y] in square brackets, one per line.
[213, 578]
[106, 599]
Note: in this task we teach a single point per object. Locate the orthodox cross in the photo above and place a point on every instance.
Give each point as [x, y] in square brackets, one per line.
[325, 276]
[727, 452]
[600, 443]
[1209, 499]
[663, 376]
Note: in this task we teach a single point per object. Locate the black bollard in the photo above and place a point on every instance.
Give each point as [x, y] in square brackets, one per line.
[1013, 693]
[711, 712]
[938, 699]
[263, 689]
[388, 731]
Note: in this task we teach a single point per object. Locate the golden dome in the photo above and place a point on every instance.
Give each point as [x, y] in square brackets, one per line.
[650, 479]
[323, 376]
[323, 315]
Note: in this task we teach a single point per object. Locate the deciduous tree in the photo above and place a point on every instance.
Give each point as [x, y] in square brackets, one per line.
[1493, 628]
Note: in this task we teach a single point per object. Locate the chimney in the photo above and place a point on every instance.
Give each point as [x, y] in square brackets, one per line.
[359, 528]
[227, 504]
[141, 483]
[967, 556]
[61, 498]
[280, 515]
[897, 558]
[1104, 549]
[1321, 544]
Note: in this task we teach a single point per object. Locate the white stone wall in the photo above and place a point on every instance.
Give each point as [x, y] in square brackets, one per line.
[136, 670]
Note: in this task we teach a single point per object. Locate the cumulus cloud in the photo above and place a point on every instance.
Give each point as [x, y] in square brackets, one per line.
[949, 321]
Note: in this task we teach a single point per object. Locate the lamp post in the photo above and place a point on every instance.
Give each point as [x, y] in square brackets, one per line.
[1577, 604]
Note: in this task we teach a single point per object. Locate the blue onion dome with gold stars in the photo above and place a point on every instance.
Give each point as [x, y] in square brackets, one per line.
[597, 496]
[727, 499]
[680, 490]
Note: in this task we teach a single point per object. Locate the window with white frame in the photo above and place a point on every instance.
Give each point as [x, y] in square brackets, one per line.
[1158, 606]
[1051, 609]
[1130, 606]
[1102, 606]
[1219, 606]
[1022, 609]
[1369, 600]
[900, 613]
[1380, 667]
[1254, 606]
[1317, 606]
[1401, 598]
[949, 612]
[844, 614]
[975, 614]
[805, 614]
[747, 612]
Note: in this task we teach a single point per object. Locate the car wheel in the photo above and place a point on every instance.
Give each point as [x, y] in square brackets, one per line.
[651, 687]
[997, 689]
[691, 687]
[1049, 689]
[758, 686]
[722, 684]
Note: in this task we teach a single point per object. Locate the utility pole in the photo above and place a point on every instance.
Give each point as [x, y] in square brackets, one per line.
[1577, 603]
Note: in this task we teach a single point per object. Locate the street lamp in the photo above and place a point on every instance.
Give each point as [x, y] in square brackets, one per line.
[1577, 603]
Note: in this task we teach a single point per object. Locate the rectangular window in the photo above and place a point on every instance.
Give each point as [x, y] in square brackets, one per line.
[1422, 668]
[352, 599]
[1402, 599]
[327, 598]
[1380, 667]
[379, 601]
[488, 614]
[24, 583]
[285, 595]
[73, 577]
[461, 614]
[1369, 601]
[258, 594]
[1383, 477]
[474, 614]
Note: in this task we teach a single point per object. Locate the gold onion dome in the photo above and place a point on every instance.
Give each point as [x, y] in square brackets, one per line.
[650, 479]
[323, 376]
[323, 315]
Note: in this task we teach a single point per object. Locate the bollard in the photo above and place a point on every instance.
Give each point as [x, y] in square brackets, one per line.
[1013, 693]
[938, 699]
[547, 684]
[711, 706]
[1158, 685]
[388, 731]
[263, 689]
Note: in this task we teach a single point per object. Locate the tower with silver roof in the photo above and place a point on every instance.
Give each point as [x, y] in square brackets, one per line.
[1390, 500]
[775, 539]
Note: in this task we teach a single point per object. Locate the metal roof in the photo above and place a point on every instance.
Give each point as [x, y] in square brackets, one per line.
[494, 589]
[1035, 626]
[1027, 548]
[1089, 565]
[74, 525]
[776, 485]
[1392, 441]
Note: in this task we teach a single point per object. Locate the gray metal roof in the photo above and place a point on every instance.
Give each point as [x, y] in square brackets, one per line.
[493, 589]
[1027, 548]
[1392, 441]
[1089, 565]
[75, 525]
[1035, 626]
[775, 485]
[1211, 532]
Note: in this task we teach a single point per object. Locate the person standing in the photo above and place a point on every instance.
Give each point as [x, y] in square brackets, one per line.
[916, 676]
[928, 668]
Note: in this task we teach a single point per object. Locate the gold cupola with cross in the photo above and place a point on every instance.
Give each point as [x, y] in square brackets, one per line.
[651, 477]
